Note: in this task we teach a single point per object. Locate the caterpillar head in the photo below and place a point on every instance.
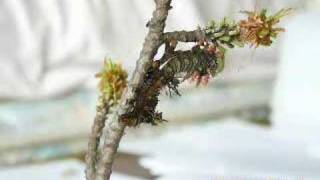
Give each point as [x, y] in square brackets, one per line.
[217, 57]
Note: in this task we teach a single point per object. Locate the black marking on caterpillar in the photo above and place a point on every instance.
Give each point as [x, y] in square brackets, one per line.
[144, 110]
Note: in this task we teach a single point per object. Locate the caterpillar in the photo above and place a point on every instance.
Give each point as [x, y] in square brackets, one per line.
[197, 59]
[144, 110]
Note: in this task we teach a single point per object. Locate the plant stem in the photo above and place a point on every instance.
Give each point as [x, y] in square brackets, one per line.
[115, 127]
[94, 139]
[185, 36]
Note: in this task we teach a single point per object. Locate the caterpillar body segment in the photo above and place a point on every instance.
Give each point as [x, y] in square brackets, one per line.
[187, 62]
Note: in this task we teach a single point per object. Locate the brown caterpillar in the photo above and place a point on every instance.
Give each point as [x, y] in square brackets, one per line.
[176, 62]
[144, 110]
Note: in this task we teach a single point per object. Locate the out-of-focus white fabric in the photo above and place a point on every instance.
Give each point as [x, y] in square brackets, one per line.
[54, 46]
[297, 94]
[47, 46]
[51, 47]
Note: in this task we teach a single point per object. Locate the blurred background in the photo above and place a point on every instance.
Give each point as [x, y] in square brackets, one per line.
[259, 119]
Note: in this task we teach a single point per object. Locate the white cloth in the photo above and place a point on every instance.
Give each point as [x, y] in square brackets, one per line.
[51, 47]
[297, 94]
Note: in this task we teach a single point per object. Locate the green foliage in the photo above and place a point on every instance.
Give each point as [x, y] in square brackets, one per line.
[113, 80]
[258, 29]
[226, 33]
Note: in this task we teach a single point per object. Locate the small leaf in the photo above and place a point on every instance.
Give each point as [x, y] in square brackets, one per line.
[225, 38]
[219, 34]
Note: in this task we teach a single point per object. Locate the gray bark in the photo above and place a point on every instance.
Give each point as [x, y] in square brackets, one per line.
[115, 127]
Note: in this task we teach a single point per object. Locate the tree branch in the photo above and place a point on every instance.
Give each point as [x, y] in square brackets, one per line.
[203, 61]
[115, 127]
[185, 36]
[114, 131]
[94, 139]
